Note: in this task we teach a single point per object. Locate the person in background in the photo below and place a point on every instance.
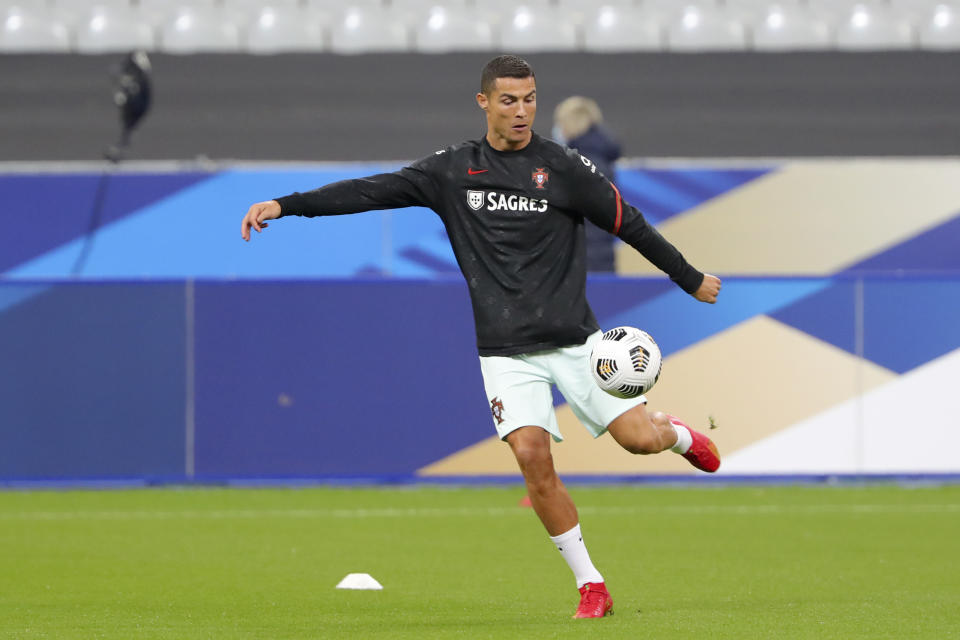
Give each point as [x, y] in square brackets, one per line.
[578, 123]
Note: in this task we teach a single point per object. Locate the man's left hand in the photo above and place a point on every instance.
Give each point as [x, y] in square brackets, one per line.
[709, 289]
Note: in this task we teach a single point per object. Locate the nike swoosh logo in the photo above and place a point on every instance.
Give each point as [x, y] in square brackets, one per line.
[474, 172]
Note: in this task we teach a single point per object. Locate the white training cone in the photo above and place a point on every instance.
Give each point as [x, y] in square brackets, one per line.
[359, 581]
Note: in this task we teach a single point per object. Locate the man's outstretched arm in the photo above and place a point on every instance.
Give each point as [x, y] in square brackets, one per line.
[257, 215]
[409, 187]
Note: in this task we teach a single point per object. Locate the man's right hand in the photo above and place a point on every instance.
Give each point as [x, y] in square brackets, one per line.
[257, 216]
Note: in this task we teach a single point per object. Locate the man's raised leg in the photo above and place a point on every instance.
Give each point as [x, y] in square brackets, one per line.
[556, 510]
[641, 432]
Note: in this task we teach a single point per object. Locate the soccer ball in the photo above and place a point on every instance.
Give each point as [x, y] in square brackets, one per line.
[625, 362]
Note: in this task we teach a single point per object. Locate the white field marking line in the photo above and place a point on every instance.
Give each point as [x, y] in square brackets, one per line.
[429, 512]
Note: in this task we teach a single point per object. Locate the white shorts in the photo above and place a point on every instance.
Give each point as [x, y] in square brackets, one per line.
[518, 390]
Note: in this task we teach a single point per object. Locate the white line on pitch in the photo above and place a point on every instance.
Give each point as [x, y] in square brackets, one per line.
[439, 512]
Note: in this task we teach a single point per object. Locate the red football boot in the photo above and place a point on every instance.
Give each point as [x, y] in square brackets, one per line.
[595, 601]
[702, 453]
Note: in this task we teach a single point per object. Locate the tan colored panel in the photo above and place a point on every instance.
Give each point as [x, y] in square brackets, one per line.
[811, 218]
[489, 457]
[756, 378]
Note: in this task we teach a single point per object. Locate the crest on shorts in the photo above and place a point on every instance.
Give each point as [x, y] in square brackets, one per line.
[475, 199]
[540, 177]
[496, 408]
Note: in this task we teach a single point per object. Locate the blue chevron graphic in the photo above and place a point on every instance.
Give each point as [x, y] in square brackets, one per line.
[663, 193]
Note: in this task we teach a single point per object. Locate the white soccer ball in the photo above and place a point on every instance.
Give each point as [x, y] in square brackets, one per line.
[625, 362]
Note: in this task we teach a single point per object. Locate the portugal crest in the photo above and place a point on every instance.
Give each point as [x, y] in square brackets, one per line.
[540, 178]
[496, 408]
[475, 199]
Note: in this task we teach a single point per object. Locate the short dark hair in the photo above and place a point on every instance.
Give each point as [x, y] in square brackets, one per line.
[503, 67]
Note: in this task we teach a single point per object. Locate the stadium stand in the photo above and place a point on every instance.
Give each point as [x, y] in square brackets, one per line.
[361, 26]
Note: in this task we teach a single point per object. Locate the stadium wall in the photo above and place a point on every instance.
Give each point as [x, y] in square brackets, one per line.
[390, 106]
[217, 380]
[162, 348]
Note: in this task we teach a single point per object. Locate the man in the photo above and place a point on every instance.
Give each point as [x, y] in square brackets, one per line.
[578, 123]
[513, 205]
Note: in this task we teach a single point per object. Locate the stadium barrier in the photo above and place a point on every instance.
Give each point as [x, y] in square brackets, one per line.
[163, 348]
[377, 380]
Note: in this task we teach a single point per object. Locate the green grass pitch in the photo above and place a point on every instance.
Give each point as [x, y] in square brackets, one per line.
[743, 562]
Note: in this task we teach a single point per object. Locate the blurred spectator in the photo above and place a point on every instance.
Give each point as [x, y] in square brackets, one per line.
[578, 123]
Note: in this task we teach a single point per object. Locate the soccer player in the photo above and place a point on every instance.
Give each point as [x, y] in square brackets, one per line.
[513, 205]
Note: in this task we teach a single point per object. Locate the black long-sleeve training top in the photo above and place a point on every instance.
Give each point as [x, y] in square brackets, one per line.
[515, 221]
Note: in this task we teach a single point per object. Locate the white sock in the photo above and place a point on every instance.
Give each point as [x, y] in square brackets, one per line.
[684, 439]
[571, 547]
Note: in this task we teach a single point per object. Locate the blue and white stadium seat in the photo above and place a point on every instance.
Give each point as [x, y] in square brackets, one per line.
[422, 7]
[700, 28]
[171, 6]
[84, 6]
[442, 30]
[673, 9]
[114, 28]
[30, 30]
[790, 28]
[941, 29]
[612, 29]
[338, 6]
[869, 27]
[529, 29]
[839, 10]
[273, 30]
[501, 12]
[198, 30]
[159, 12]
[751, 11]
[367, 30]
[253, 6]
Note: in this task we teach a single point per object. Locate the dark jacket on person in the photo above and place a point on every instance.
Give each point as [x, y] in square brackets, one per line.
[598, 145]
[514, 220]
